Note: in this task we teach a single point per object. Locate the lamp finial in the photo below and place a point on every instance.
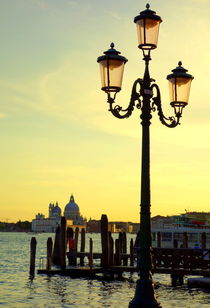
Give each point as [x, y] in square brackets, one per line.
[148, 6]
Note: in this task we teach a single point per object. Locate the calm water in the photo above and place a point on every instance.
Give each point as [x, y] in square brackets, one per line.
[16, 290]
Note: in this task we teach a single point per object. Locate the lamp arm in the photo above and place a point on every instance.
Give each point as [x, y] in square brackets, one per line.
[117, 110]
[172, 121]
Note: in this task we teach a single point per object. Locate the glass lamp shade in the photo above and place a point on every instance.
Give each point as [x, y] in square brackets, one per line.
[111, 70]
[147, 23]
[179, 86]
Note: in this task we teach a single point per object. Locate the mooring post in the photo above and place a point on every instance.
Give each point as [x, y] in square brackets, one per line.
[175, 243]
[177, 280]
[56, 247]
[70, 239]
[131, 253]
[91, 254]
[49, 253]
[159, 239]
[104, 240]
[185, 240]
[203, 240]
[76, 237]
[124, 248]
[111, 250]
[120, 246]
[117, 252]
[181, 280]
[82, 247]
[32, 257]
[174, 278]
[63, 243]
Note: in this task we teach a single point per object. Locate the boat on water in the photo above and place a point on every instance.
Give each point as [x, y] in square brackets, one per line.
[193, 226]
[168, 235]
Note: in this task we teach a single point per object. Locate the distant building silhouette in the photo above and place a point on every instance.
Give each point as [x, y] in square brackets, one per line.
[71, 213]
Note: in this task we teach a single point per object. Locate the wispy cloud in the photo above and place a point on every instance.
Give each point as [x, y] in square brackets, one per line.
[115, 15]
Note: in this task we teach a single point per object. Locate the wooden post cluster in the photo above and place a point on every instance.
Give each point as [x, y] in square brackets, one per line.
[114, 257]
[67, 240]
[119, 257]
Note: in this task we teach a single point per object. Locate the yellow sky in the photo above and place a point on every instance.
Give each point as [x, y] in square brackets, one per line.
[57, 136]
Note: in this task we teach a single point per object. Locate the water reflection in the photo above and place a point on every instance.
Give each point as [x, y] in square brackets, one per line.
[63, 292]
[57, 286]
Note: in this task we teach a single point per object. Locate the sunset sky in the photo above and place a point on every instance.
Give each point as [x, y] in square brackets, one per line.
[57, 136]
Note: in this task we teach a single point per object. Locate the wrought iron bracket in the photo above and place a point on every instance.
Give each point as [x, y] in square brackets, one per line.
[135, 100]
[172, 121]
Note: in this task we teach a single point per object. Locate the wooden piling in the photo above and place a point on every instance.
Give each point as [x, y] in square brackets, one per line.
[104, 241]
[175, 243]
[70, 236]
[117, 252]
[181, 280]
[82, 246]
[159, 239]
[70, 240]
[174, 279]
[131, 253]
[137, 242]
[56, 248]
[120, 241]
[111, 250]
[63, 243]
[120, 246]
[91, 254]
[177, 280]
[32, 257]
[185, 240]
[76, 237]
[124, 248]
[203, 240]
[49, 253]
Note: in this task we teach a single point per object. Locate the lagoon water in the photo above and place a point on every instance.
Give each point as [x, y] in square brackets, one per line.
[16, 290]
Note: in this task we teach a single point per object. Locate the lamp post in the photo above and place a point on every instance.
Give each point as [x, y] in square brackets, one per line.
[145, 96]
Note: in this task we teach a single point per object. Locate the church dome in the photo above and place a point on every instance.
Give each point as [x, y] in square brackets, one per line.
[71, 212]
[56, 209]
[71, 206]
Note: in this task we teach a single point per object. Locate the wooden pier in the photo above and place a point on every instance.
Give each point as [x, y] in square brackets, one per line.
[63, 258]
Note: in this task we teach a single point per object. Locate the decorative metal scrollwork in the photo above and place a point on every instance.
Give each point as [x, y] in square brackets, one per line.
[156, 103]
[121, 113]
[137, 100]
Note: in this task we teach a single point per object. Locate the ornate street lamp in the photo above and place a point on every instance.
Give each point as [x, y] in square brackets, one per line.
[145, 96]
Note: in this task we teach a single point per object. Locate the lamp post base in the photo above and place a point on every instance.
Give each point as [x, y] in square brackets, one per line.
[144, 295]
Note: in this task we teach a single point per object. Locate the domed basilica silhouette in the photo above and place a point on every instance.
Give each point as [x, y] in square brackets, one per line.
[71, 213]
